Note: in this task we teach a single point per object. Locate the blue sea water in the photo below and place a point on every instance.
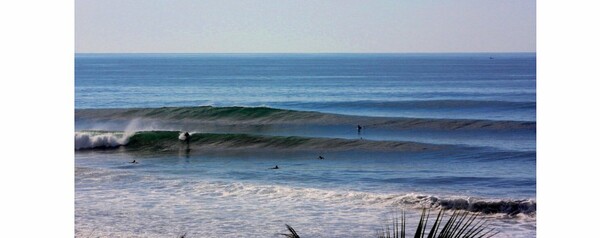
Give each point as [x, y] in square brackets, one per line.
[422, 85]
[350, 192]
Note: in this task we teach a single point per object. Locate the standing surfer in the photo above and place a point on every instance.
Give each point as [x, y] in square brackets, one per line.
[187, 138]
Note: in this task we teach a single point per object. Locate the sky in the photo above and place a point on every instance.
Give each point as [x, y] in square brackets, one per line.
[307, 26]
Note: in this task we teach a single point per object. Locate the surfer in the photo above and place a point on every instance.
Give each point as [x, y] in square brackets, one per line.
[133, 162]
[276, 167]
[321, 157]
[359, 128]
[187, 137]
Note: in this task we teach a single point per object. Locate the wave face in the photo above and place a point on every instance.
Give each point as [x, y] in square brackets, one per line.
[450, 109]
[509, 207]
[272, 116]
[436, 104]
[202, 112]
[171, 141]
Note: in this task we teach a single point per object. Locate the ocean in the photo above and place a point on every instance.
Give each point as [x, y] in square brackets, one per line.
[438, 131]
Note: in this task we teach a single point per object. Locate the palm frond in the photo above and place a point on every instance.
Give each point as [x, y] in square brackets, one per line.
[459, 225]
[421, 227]
[436, 224]
[292, 234]
[397, 230]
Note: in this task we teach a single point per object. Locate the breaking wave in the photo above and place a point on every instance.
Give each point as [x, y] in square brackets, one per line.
[172, 141]
[90, 140]
[292, 194]
[410, 200]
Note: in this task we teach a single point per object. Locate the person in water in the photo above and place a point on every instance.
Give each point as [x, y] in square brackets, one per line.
[321, 157]
[276, 167]
[133, 162]
[187, 137]
[359, 128]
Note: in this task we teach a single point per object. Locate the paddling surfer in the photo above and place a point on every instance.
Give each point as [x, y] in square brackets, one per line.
[276, 167]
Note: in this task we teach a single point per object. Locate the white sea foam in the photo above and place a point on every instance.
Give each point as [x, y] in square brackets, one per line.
[96, 139]
[223, 190]
[132, 204]
[88, 140]
[356, 198]
[182, 135]
[139, 124]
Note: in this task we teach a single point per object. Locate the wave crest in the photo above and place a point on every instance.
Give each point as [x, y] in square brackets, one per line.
[509, 207]
[91, 140]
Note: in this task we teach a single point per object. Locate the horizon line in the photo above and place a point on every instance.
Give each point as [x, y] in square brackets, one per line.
[456, 52]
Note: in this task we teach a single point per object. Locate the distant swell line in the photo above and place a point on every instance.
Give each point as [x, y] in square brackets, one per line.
[272, 116]
[425, 104]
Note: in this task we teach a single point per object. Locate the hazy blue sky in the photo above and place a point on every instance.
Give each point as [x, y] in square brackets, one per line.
[197, 26]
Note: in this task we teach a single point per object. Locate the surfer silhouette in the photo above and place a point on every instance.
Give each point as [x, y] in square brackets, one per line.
[133, 162]
[187, 137]
[276, 167]
[321, 157]
[359, 128]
